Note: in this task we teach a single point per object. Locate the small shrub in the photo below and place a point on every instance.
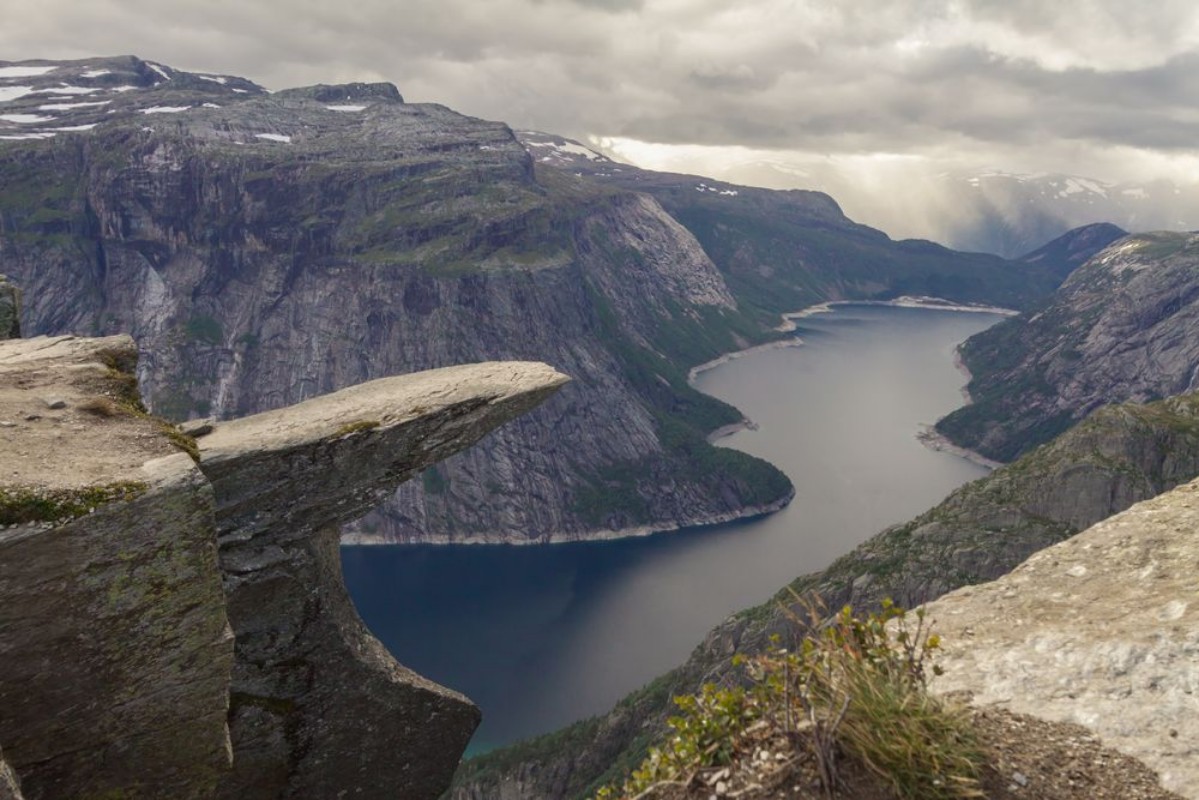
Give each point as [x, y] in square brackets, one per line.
[854, 689]
[355, 427]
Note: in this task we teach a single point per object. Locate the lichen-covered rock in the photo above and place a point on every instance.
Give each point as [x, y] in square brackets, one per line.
[116, 652]
[1101, 630]
[10, 310]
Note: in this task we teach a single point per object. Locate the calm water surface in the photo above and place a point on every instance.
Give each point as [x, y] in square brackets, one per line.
[540, 636]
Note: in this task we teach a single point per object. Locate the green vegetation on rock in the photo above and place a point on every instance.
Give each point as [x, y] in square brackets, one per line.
[26, 504]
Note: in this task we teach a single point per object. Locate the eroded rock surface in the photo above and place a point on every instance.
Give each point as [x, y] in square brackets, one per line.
[10, 788]
[119, 674]
[1100, 630]
[114, 647]
[319, 707]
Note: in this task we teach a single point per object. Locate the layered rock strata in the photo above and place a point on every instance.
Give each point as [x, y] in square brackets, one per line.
[180, 629]
[116, 652]
[318, 706]
[1100, 630]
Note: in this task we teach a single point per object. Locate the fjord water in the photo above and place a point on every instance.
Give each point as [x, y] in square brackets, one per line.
[543, 635]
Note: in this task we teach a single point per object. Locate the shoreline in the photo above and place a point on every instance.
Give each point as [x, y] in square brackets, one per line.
[597, 535]
[905, 301]
[930, 437]
[934, 440]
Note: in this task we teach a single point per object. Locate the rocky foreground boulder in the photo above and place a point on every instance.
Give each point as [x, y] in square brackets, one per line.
[1100, 630]
[174, 624]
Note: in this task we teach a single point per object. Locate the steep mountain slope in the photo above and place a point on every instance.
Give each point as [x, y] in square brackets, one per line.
[1118, 456]
[265, 248]
[1073, 248]
[782, 250]
[1122, 327]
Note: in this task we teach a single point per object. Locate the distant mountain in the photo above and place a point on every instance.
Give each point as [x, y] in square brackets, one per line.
[1124, 326]
[1011, 214]
[990, 211]
[1074, 248]
[782, 250]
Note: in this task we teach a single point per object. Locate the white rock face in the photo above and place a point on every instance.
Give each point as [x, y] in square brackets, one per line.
[1100, 630]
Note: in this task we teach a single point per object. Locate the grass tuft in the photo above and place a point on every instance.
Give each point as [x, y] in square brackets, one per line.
[854, 692]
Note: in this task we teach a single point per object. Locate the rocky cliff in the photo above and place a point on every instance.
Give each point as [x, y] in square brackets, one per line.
[1118, 456]
[174, 623]
[266, 248]
[1122, 327]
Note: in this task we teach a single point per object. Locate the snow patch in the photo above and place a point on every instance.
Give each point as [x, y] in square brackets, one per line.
[1078, 185]
[95, 73]
[69, 106]
[163, 109]
[210, 105]
[24, 119]
[13, 92]
[24, 72]
[65, 89]
[273, 137]
[577, 150]
[346, 108]
[214, 79]
[242, 91]
[39, 135]
[78, 127]
[159, 70]
[122, 88]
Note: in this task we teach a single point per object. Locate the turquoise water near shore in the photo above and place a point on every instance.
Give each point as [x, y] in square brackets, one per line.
[540, 636]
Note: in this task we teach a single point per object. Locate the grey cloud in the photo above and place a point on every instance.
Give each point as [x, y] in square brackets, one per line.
[977, 77]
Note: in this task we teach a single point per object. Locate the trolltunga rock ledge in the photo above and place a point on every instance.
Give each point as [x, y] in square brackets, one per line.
[171, 628]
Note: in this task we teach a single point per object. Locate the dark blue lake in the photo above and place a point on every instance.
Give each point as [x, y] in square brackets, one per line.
[543, 635]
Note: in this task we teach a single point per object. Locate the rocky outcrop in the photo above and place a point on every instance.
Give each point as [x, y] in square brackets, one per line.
[114, 673]
[1101, 630]
[1118, 456]
[307, 675]
[266, 248]
[180, 629]
[1122, 327]
[10, 788]
[10, 310]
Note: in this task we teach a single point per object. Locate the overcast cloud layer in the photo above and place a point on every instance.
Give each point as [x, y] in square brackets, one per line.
[1098, 87]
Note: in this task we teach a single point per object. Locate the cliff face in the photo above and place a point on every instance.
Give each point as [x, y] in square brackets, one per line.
[1118, 456]
[175, 624]
[1122, 327]
[263, 249]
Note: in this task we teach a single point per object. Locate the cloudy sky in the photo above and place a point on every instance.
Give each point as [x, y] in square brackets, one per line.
[1104, 88]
